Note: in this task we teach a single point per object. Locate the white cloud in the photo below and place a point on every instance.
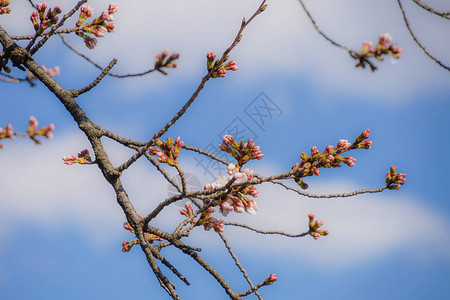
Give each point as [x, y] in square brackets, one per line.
[282, 36]
[38, 188]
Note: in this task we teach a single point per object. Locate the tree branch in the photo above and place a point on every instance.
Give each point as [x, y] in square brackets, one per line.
[417, 41]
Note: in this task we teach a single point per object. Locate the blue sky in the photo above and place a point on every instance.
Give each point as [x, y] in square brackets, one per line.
[62, 229]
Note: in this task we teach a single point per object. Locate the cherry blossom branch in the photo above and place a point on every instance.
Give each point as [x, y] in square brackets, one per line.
[238, 264]
[76, 93]
[417, 40]
[53, 30]
[32, 132]
[339, 195]
[267, 231]
[183, 110]
[445, 15]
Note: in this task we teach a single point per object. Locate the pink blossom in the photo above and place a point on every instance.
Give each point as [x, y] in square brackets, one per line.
[272, 278]
[343, 144]
[69, 160]
[314, 151]
[366, 144]
[99, 31]
[110, 27]
[349, 161]
[4, 10]
[41, 7]
[385, 39]
[221, 73]
[113, 8]
[7, 133]
[105, 16]
[90, 42]
[232, 66]
[53, 71]
[210, 56]
[228, 139]
[251, 207]
[365, 134]
[86, 11]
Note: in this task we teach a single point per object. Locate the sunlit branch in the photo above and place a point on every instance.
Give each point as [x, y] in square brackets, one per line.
[266, 231]
[327, 196]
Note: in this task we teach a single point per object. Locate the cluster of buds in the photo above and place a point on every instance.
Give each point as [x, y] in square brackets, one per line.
[314, 226]
[84, 158]
[98, 27]
[329, 158]
[168, 152]
[3, 7]
[6, 133]
[41, 20]
[52, 72]
[151, 238]
[219, 71]
[242, 152]
[163, 60]
[209, 221]
[394, 179]
[188, 211]
[271, 279]
[45, 131]
[382, 48]
[235, 199]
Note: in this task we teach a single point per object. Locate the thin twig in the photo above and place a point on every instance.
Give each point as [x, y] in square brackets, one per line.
[328, 196]
[445, 15]
[169, 266]
[100, 67]
[194, 96]
[417, 41]
[206, 153]
[238, 264]
[267, 231]
[316, 27]
[76, 93]
[32, 4]
[54, 28]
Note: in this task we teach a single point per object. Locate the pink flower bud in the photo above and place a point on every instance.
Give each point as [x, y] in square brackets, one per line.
[113, 8]
[90, 42]
[41, 7]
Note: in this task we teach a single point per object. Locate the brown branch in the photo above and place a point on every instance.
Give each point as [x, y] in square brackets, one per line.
[76, 93]
[445, 15]
[183, 110]
[238, 264]
[206, 153]
[267, 231]
[327, 196]
[146, 248]
[417, 41]
[54, 28]
[316, 27]
[100, 67]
